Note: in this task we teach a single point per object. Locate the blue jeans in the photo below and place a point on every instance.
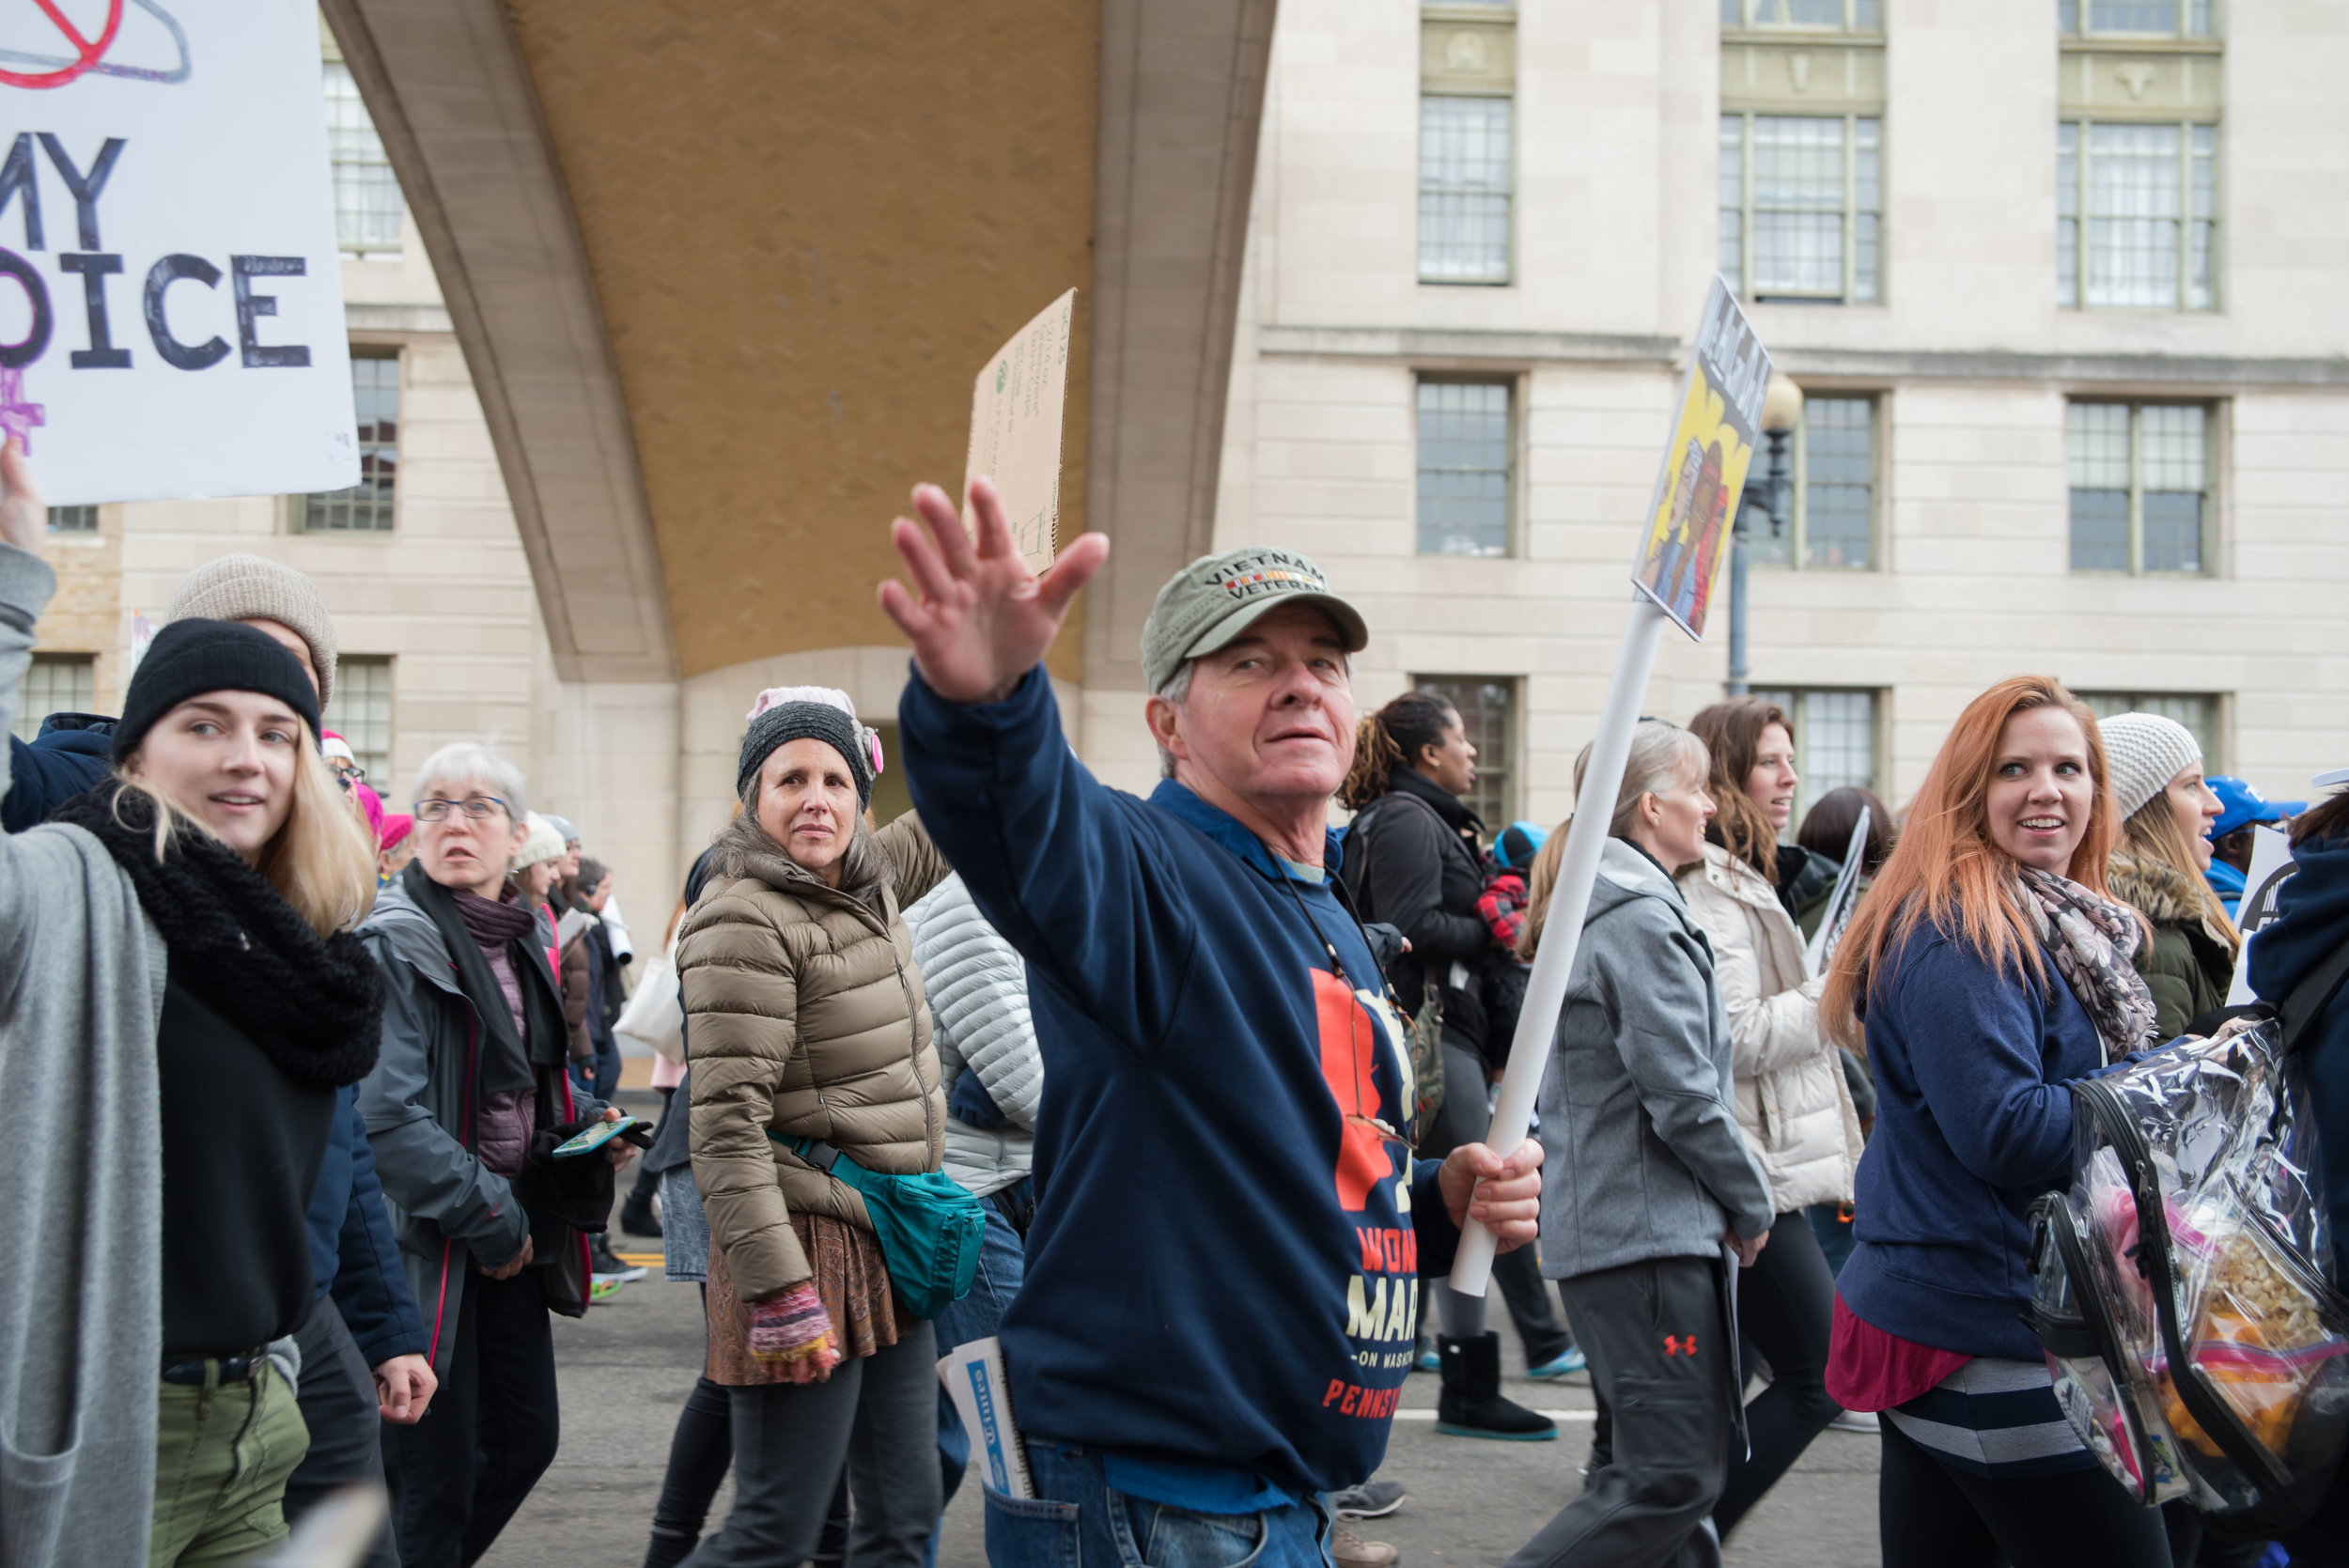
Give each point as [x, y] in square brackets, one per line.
[598, 1076]
[1076, 1521]
[1002, 1264]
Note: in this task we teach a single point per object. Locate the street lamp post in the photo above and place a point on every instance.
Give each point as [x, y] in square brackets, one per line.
[1782, 408]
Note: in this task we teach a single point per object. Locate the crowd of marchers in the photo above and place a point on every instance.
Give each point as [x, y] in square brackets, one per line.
[1183, 1100]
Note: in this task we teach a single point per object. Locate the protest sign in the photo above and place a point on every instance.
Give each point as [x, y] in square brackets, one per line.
[1840, 902]
[1704, 464]
[1016, 411]
[2271, 867]
[1719, 407]
[973, 1374]
[171, 307]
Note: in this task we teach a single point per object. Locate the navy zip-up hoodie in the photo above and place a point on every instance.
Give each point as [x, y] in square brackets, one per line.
[1222, 1269]
[2311, 922]
[1973, 1122]
[352, 1251]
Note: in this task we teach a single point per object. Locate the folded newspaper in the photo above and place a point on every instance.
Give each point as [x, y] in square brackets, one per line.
[974, 1380]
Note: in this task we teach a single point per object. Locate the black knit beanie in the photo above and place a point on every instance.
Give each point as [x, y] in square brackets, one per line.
[788, 722]
[191, 657]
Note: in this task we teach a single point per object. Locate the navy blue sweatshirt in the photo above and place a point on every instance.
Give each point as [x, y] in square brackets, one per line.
[71, 756]
[1973, 1122]
[2312, 919]
[1222, 1269]
[352, 1251]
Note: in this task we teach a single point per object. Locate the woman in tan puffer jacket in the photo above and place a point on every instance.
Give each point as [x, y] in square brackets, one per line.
[1793, 1105]
[806, 1021]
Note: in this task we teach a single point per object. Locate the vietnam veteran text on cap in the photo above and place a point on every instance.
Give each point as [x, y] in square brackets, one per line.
[1215, 597]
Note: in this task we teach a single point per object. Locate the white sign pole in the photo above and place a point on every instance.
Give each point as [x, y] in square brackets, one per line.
[1569, 902]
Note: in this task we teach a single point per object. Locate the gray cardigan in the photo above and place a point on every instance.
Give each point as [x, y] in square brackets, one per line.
[1642, 1153]
[82, 1323]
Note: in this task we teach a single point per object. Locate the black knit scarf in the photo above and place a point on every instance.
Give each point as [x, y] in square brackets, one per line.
[314, 1006]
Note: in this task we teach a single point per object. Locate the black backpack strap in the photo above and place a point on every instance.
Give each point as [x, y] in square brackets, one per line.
[2315, 992]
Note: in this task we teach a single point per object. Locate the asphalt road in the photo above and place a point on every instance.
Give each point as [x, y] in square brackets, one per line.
[627, 1366]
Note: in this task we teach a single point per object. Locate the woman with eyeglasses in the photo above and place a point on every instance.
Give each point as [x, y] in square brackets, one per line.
[472, 1072]
[183, 1002]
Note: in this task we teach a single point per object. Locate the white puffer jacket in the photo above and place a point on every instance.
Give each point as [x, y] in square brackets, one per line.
[977, 988]
[1793, 1104]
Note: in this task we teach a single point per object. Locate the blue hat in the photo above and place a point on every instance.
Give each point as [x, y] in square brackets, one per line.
[2245, 806]
[1519, 842]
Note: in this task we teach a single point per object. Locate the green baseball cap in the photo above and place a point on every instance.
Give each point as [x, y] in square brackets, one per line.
[1215, 597]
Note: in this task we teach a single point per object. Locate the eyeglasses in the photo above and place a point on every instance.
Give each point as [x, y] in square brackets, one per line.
[480, 808]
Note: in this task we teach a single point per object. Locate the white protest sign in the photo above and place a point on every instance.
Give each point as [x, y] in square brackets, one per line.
[1841, 902]
[1017, 405]
[973, 1374]
[171, 304]
[2271, 866]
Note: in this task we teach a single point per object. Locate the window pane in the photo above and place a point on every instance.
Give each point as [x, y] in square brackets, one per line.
[2133, 216]
[1835, 741]
[2068, 215]
[74, 519]
[1839, 479]
[1464, 190]
[366, 193]
[2133, 16]
[2205, 218]
[53, 683]
[1798, 13]
[1733, 14]
[2098, 438]
[1797, 205]
[2173, 451]
[2067, 16]
[366, 506]
[1464, 467]
[1732, 198]
[1487, 709]
[2198, 17]
[1865, 198]
[361, 713]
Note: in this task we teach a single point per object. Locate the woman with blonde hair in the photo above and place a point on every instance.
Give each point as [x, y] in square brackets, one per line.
[1988, 970]
[2167, 808]
[182, 996]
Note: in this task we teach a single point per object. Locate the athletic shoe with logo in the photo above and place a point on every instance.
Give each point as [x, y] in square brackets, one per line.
[1372, 1499]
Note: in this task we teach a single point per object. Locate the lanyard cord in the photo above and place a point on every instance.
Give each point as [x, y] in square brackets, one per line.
[1353, 1042]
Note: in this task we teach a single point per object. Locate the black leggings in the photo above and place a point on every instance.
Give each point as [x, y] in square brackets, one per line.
[1785, 1306]
[1929, 1514]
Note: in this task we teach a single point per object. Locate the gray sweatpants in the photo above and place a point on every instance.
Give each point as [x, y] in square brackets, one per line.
[877, 1414]
[1659, 1353]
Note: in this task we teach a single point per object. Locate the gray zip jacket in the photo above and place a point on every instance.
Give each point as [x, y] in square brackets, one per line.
[1642, 1158]
[977, 988]
[82, 1317]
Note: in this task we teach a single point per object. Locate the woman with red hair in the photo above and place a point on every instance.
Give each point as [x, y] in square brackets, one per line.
[1987, 970]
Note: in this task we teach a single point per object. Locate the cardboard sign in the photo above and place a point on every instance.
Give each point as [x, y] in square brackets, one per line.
[171, 303]
[1704, 464]
[2271, 865]
[1016, 411]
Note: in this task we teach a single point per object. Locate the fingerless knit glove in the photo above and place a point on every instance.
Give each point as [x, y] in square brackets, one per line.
[794, 1327]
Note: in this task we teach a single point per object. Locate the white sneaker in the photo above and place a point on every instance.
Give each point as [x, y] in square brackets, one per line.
[1863, 1421]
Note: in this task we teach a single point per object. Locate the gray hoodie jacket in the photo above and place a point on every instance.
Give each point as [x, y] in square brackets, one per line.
[1642, 1158]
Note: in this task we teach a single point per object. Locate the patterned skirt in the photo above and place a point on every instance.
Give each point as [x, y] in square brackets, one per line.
[851, 1280]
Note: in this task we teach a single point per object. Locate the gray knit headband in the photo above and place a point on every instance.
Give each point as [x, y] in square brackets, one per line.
[804, 720]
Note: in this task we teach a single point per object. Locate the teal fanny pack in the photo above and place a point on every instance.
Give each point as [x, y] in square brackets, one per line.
[928, 1226]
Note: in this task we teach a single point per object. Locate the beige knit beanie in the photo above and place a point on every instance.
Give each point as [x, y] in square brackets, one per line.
[241, 587]
[543, 844]
[2144, 751]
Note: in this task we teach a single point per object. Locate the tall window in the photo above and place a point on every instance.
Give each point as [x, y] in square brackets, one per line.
[2137, 212]
[1487, 708]
[1464, 180]
[2197, 711]
[54, 683]
[2140, 486]
[74, 519]
[2169, 19]
[361, 713]
[1832, 518]
[1850, 16]
[1801, 197]
[1467, 450]
[366, 193]
[1835, 742]
[366, 506]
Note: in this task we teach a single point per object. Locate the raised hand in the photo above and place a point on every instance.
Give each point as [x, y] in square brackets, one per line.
[983, 620]
[24, 520]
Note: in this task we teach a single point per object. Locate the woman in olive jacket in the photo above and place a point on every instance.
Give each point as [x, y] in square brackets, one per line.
[805, 1021]
[2166, 811]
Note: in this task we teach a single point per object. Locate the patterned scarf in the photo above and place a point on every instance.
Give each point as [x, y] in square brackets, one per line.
[2092, 939]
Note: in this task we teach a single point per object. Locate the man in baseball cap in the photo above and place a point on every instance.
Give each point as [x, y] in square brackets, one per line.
[1222, 1277]
[2242, 809]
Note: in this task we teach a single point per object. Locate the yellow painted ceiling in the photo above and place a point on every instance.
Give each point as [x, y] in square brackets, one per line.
[811, 222]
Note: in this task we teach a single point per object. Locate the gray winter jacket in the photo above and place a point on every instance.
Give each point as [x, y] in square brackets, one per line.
[82, 1320]
[1642, 1153]
[978, 993]
[422, 1103]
